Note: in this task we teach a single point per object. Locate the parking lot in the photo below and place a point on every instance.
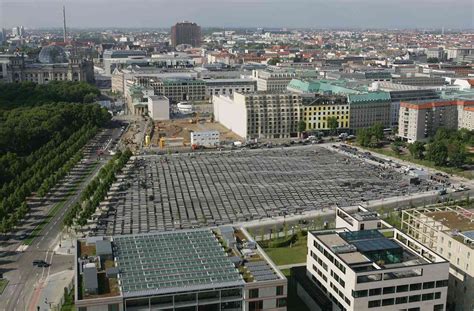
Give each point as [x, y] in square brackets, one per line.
[179, 191]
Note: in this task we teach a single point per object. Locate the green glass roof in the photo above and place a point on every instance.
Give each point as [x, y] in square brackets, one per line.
[173, 261]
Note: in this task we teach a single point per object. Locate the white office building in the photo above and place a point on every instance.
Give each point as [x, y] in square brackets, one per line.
[205, 139]
[158, 107]
[365, 264]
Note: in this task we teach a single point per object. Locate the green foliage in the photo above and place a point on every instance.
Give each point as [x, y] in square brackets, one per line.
[273, 61]
[96, 190]
[43, 168]
[371, 136]
[31, 94]
[333, 124]
[417, 150]
[432, 60]
[25, 129]
[449, 147]
[301, 126]
[438, 153]
[457, 155]
[41, 140]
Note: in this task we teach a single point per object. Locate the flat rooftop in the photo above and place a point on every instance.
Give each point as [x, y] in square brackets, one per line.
[462, 221]
[177, 261]
[368, 246]
[173, 261]
[354, 258]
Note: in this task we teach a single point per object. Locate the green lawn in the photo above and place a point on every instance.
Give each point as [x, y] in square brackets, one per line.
[430, 164]
[288, 255]
[3, 285]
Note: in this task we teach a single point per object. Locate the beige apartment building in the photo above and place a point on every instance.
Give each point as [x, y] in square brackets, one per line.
[276, 81]
[418, 121]
[259, 115]
[448, 230]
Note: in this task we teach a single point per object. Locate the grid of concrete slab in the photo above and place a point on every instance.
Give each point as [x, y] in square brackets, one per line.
[179, 191]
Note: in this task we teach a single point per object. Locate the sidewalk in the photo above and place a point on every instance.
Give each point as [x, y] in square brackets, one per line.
[65, 245]
[52, 291]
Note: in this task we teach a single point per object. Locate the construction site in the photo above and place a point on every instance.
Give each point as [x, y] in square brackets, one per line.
[180, 131]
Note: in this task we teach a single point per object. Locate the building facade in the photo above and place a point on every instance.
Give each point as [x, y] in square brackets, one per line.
[175, 89]
[272, 81]
[15, 69]
[408, 93]
[186, 33]
[365, 264]
[229, 86]
[205, 139]
[259, 115]
[369, 109]
[418, 121]
[317, 112]
[158, 107]
[117, 59]
[448, 230]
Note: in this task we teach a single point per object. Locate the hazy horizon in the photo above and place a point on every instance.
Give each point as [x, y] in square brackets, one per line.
[403, 14]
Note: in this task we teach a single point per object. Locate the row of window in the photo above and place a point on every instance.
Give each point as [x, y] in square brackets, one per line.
[323, 125]
[338, 279]
[399, 288]
[342, 114]
[404, 299]
[330, 257]
[254, 292]
[326, 108]
[341, 294]
[320, 273]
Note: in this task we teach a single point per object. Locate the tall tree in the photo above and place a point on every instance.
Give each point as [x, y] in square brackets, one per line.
[438, 153]
[333, 124]
[417, 150]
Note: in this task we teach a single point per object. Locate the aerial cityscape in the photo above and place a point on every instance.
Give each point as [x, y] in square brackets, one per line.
[236, 155]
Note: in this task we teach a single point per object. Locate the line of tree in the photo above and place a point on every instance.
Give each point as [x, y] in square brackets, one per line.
[32, 94]
[51, 164]
[42, 131]
[96, 190]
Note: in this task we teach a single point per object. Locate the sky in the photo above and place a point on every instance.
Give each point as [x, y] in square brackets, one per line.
[241, 13]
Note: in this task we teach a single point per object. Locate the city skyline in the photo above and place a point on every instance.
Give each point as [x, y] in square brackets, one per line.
[240, 14]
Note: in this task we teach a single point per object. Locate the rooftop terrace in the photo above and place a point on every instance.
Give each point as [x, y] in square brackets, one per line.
[369, 247]
[455, 220]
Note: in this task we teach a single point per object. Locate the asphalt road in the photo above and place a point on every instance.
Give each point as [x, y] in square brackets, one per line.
[17, 266]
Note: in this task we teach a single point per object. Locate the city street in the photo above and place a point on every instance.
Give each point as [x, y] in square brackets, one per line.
[16, 258]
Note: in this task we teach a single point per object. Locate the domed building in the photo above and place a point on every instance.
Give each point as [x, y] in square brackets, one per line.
[53, 65]
[52, 54]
